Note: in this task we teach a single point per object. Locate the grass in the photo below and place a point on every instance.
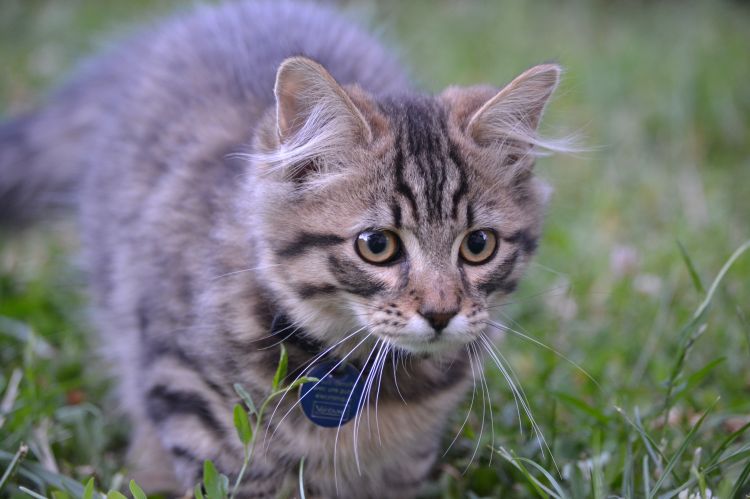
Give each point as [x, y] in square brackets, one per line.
[626, 283]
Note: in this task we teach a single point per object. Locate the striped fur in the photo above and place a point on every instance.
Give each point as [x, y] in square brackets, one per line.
[223, 180]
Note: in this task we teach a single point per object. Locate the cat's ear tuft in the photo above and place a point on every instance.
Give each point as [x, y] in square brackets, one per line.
[310, 105]
[514, 113]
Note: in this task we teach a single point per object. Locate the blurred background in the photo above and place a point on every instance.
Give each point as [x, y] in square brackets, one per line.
[638, 228]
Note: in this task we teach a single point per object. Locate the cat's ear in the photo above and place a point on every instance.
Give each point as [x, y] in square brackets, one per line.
[514, 113]
[311, 105]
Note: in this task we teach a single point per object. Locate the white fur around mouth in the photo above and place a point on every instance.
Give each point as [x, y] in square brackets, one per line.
[435, 343]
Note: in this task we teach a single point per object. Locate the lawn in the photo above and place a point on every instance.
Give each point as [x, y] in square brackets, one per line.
[631, 332]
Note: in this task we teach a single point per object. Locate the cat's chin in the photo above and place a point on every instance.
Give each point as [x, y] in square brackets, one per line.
[421, 346]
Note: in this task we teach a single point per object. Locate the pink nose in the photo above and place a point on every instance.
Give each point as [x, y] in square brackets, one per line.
[438, 320]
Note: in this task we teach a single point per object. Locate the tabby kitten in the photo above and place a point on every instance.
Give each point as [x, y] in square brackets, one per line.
[259, 173]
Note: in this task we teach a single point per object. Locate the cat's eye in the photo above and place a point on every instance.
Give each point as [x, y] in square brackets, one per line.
[478, 246]
[378, 246]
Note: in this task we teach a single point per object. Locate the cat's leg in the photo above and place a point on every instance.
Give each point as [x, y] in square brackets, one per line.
[403, 479]
[149, 464]
[193, 419]
[400, 476]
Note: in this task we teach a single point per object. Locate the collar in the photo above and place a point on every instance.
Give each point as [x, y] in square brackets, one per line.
[283, 330]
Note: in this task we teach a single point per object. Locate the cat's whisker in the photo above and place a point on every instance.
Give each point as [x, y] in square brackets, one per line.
[371, 382]
[314, 359]
[524, 299]
[319, 356]
[475, 355]
[282, 340]
[483, 379]
[348, 400]
[512, 385]
[518, 395]
[471, 404]
[361, 301]
[546, 347]
[395, 377]
[272, 334]
[364, 398]
[549, 269]
[388, 350]
[235, 272]
[496, 355]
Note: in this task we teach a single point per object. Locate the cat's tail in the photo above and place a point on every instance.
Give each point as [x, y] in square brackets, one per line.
[41, 161]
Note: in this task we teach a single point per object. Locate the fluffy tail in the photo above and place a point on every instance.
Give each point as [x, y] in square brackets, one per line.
[41, 161]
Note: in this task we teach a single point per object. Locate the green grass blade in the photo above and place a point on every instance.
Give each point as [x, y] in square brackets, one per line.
[31, 493]
[677, 455]
[694, 379]
[628, 488]
[738, 455]
[246, 398]
[136, 490]
[541, 489]
[581, 406]
[281, 369]
[302, 478]
[15, 461]
[559, 492]
[35, 471]
[691, 269]
[741, 480]
[726, 443]
[242, 424]
[651, 446]
[88, 490]
[301, 381]
[211, 481]
[685, 340]
[720, 277]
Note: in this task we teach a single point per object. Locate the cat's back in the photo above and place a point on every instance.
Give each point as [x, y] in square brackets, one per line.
[173, 103]
[229, 54]
[233, 50]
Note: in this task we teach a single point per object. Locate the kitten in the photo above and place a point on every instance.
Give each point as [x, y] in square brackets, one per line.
[258, 173]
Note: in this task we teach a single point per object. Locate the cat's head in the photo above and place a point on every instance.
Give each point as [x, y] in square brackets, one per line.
[405, 217]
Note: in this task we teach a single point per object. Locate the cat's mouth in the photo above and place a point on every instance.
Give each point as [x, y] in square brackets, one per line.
[431, 343]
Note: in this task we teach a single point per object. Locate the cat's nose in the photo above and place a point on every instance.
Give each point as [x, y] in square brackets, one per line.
[438, 319]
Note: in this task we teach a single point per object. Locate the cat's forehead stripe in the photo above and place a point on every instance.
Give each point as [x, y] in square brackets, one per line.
[428, 170]
[401, 186]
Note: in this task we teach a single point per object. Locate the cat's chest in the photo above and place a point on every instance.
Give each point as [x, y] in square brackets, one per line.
[381, 423]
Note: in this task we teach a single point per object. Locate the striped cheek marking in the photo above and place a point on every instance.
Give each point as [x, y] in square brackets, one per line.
[308, 241]
[502, 278]
[353, 278]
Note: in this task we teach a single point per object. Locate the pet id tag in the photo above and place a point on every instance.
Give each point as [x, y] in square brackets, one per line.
[332, 401]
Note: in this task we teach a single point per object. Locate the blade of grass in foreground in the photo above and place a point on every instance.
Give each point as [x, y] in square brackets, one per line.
[686, 340]
[741, 480]
[302, 478]
[673, 462]
[651, 446]
[15, 460]
[725, 444]
[36, 472]
[541, 489]
[31, 493]
[691, 269]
